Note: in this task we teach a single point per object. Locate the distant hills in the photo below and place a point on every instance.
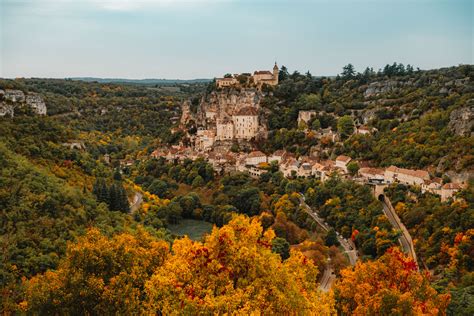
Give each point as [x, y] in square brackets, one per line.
[141, 81]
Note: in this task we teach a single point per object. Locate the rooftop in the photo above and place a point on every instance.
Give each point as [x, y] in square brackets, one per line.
[343, 158]
[246, 111]
[414, 173]
[256, 154]
[262, 72]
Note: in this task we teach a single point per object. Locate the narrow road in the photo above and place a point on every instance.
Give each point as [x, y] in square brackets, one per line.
[329, 277]
[137, 201]
[405, 238]
[348, 245]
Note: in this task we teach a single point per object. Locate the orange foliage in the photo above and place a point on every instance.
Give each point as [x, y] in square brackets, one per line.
[389, 285]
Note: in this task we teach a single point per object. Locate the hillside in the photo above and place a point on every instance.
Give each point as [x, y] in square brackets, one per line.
[423, 119]
[67, 177]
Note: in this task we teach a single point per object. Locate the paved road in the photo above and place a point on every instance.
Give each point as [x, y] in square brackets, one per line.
[348, 245]
[405, 238]
[137, 201]
[327, 279]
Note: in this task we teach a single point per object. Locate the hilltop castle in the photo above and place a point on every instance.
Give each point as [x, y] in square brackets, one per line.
[231, 113]
[259, 78]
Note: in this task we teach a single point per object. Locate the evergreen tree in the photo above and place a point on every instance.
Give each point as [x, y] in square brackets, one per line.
[283, 74]
[113, 198]
[331, 238]
[281, 247]
[100, 190]
[117, 175]
[124, 206]
[348, 71]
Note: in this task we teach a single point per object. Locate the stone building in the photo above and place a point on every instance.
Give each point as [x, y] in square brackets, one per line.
[266, 77]
[225, 82]
[342, 162]
[259, 78]
[406, 176]
[224, 130]
[255, 158]
[246, 123]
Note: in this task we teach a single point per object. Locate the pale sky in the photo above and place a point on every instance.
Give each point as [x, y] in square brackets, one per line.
[186, 39]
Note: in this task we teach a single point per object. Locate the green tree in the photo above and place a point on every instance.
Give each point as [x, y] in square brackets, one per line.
[331, 238]
[353, 167]
[348, 71]
[100, 190]
[282, 247]
[117, 175]
[315, 124]
[198, 182]
[345, 126]
[283, 74]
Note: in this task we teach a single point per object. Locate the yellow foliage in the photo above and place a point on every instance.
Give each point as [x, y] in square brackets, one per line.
[234, 271]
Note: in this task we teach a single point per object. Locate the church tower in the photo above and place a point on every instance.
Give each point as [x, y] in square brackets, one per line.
[275, 73]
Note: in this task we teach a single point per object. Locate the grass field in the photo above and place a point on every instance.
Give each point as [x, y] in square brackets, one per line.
[195, 229]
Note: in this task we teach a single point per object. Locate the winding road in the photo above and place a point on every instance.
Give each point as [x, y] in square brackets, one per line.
[348, 245]
[328, 276]
[405, 238]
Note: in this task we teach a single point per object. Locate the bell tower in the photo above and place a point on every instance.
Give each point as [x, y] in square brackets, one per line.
[275, 73]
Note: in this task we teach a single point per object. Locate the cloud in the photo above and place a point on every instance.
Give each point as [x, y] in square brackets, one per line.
[129, 5]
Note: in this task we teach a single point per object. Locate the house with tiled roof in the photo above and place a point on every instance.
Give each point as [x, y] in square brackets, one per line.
[277, 156]
[406, 176]
[255, 158]
[290, 167]
[372, 174]
[342, 162]
[449, 190]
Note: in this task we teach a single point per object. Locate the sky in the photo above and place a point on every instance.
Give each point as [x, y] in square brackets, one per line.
[188, 39]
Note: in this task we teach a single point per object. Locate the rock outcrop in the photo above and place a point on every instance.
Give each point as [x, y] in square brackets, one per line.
[16, 99]
[461, 120]
[227, 102]
[388, 86]
[36, 102]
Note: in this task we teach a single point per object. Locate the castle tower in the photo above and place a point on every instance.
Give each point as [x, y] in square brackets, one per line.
[275, 73]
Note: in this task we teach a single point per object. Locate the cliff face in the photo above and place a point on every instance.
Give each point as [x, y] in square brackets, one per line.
[461, 121]
[36, 102]
[226, 102]
[16, 99]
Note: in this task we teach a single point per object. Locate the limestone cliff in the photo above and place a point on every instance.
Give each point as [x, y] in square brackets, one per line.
[11, 100]
[224, 103]
[461, 120]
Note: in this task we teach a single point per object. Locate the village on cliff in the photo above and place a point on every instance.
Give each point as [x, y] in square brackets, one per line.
[231, 115]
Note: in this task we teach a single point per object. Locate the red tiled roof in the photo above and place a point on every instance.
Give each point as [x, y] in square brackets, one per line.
[343, 158]
[451, 186]
[262, 72]
[248, 110]
[373, 171]
[414, 173]
[256, 154]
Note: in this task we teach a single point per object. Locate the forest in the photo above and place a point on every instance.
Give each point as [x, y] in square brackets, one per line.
[73, 244]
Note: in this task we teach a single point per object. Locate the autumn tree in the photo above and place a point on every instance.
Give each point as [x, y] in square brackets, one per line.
[98, 276]
[235, 271]
[390, 285]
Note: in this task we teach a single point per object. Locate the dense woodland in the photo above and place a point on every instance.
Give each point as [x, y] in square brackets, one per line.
[71, 243]
[412, 118]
